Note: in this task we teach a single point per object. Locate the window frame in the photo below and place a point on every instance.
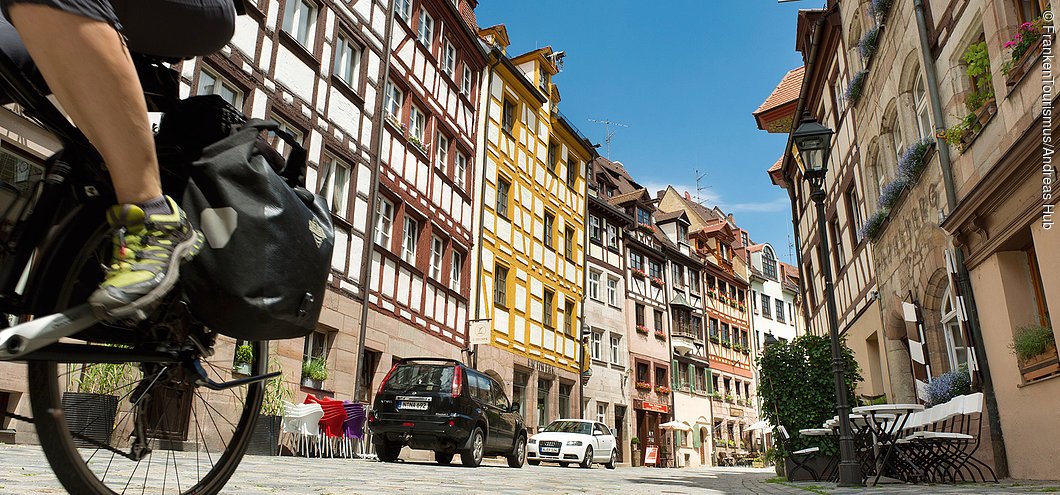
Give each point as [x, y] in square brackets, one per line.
[338, 202]
[403, 8]
[508, 111]
[466, 81]
[500, 290]
[437, 253]
[410, 237]
[456, 268]
[548, 309]
[460, 170]
[417, 124]
[381, 217]
[568, 243]
[291, 8]
[345, 46]
[449, 55]
[393, 100]
[504, 187]
[441, 151]
[425, 29]
[219, 83]
[549, 227]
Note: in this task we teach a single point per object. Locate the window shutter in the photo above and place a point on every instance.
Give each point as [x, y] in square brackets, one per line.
[918, 352]
[962, 314]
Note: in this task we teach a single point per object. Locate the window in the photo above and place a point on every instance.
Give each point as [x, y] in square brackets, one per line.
[417, 126]
[682, 376]
[957, 349]
[441, 152]
[403, 8]
[502, 197]
[1029, 10]
[780, 310]
[542, 80]
[508, 116]
[601, 412]
[636, 260]
[449, 59]
[335, 184]
[550, 226]
[548, 309]
[713, 327]
[660, 376]
[519, 381]
[643, 217]
[553, 158]
[393, 100]
[594, 285]
[465, 81]
[837, 244]
[596, 349]
[923, 112]
[594, 228]
[612, 291]
[425, 31]
[769, 264]
[212, 84]
[725, 332]
[658, 320]
[568, 320]
[315, 347]
[655, 269]
[460, 171]
[568, 243]
[572, 173]
[384, 221]
[456, 267]
[682, 233]
[347, 60]
[299, 19]
[616, 349]
[564, 399]
[679, 274]
[765, 306]
[412, 234]
[643, 375]
[278, 143]
[854, 211]
[693, 281]
[500, 285]
[638, 311]
[612, 236]
[437, 250]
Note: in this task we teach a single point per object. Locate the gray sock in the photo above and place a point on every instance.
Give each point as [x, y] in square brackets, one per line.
[157, 206]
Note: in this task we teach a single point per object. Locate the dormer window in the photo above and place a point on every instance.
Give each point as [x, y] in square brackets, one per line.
[643, 217]
[769, 264]
[682, 233]
[542, 80]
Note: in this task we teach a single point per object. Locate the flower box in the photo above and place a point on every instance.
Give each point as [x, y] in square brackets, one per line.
[659, 334]
[1026, 47]
[726, 344]
[393, 119]
[662, 389]
[646, 228]
[715, 339]
[642, 329]
[657, 281]
[986, 111]
[643, 386]
[1040, 366]
[638, 273]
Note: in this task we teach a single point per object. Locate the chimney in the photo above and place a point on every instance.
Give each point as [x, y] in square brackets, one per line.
[688, 196]
[731, 219]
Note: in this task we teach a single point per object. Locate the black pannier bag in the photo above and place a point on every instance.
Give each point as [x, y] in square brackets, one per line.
[262, 272]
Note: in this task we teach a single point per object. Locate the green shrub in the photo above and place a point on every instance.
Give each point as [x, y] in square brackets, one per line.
[276, 392]
[244, 354]
[316, 369]
[1032, 340]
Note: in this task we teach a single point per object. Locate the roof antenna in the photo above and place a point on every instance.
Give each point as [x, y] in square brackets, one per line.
[699, 189]
[608, 133]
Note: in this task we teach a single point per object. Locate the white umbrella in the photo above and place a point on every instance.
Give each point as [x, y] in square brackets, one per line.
[760, 425]
[675, 425]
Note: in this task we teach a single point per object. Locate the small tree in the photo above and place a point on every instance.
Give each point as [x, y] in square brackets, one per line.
[797, 386]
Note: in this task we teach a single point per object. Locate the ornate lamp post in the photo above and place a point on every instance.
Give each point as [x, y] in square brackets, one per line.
[813, 142]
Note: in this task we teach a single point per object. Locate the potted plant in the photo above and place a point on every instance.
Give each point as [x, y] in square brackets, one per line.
[643, 385]
[947, 386]
[314, 372]
[1026, 45]
[642, 329]
[92, 408]
[1035, 348]
[267, 429]
[638, 273]
[662, 389]
[243, 357]
[874, 224]
[856, 86]
[716, 396]
[634, 447]
[657, 281]
[728, 398]
[660, 334]
[727, 344]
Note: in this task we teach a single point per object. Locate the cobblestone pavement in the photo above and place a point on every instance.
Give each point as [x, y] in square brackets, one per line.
[23, 471]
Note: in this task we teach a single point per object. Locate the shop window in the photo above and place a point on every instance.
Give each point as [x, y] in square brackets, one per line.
[564, 399]
[543, 389]
[519, 381]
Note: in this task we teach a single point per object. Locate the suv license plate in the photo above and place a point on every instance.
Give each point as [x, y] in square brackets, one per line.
[414, 405]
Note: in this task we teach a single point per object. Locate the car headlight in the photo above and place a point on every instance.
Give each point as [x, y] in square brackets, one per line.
[575, 443]
[532, 441]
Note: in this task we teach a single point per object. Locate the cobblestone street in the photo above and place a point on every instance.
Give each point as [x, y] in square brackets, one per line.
[25, 471]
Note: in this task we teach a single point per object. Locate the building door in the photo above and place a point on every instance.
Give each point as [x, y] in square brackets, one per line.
[703, 442]
[620, 430]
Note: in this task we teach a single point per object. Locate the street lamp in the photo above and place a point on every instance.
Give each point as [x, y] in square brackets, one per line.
[813, 142]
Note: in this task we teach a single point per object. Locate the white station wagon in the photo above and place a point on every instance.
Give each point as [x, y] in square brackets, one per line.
[579, 441]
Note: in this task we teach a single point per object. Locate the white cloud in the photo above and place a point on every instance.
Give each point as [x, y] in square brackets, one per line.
[711, 198]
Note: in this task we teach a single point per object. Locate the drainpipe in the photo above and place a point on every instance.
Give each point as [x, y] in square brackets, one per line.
[997, 439]
[798, 263]
[494, 58]
[366, 260]
[584, 326]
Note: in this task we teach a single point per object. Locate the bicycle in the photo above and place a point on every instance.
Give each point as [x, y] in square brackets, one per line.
[169, 395]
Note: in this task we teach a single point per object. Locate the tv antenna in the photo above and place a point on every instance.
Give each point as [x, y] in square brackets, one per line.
[608, 133]
[699, 188]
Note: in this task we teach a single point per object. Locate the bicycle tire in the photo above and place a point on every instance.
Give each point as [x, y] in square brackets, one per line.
[57, 441]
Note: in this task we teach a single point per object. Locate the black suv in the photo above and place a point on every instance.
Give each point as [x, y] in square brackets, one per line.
[444, 406]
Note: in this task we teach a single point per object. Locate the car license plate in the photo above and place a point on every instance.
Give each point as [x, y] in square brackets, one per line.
[549, 450]
[414, 405]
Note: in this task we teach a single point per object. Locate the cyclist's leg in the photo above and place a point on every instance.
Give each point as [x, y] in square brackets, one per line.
[83, 58]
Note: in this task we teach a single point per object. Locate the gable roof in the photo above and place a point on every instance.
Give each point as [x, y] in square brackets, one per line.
[621, 199]
[661, 217]
[776, 113]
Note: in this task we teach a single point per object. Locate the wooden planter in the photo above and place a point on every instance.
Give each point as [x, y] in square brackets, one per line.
[1041, 366]
[92, 415]
[1023, 65]
[987, 111]
[266, 437]
[636, 455]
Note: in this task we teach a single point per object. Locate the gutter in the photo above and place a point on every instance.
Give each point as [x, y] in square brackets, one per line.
[494, 56]
[366, 261]
[997, 439]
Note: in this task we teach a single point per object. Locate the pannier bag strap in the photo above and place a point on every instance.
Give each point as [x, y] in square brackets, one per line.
[294, 170]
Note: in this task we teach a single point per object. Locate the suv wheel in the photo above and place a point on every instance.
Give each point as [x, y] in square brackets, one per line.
[443, 458]
[472, 457]
[516, 458]
[611, 462]
[387, 451]
[587, 461]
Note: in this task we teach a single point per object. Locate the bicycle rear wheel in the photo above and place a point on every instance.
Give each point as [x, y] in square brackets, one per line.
[141, 427]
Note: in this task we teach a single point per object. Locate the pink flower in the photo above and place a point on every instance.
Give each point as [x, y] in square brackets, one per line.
[1026, 26]
[1010, 44]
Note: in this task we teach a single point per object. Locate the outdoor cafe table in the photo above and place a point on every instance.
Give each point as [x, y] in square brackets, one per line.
[887, 431]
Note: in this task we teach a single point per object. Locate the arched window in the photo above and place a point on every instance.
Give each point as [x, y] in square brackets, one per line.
[957, 347]
[923, 112]
[769, 263]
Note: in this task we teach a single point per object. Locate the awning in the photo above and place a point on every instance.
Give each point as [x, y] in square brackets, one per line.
[760, 425]
[675, 425]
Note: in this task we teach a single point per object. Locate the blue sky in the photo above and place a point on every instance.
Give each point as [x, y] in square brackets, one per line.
[685, 76]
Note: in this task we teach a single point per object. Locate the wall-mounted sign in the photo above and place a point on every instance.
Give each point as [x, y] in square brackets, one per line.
[544, 368]
[478, 332]
[651, 406]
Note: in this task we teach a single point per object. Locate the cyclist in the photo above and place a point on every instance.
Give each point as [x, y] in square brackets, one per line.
[81, 50]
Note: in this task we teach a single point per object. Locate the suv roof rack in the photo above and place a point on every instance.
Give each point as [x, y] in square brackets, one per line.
[437, 359]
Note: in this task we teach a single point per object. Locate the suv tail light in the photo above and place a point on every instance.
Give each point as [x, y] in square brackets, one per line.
[458, 380]
[382, 384]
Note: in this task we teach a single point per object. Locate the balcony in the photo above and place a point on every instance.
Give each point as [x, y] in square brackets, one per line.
[685, 337]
